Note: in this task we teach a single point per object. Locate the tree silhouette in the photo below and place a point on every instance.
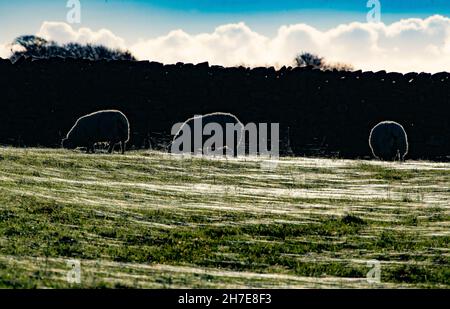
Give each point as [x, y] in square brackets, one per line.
[39, 48]
[308, 59]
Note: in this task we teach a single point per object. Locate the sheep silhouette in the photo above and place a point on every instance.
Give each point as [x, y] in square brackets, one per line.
[388, 141]
[219, 118]
[109, 126]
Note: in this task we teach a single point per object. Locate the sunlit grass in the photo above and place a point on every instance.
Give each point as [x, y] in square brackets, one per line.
[149, 219]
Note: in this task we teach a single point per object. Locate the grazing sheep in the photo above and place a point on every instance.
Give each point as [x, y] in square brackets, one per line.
[103, 126]
[388, 141]
[220, 118]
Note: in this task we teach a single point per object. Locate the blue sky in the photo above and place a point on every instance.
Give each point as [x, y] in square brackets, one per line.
[133, 19]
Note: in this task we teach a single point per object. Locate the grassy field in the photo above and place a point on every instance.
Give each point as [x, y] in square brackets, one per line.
[152, 220]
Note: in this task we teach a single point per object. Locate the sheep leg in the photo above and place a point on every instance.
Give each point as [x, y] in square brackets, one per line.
[111, 147]
[90, 147]
[122, 146]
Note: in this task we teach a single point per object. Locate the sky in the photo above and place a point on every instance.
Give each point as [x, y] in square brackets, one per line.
[405, 36]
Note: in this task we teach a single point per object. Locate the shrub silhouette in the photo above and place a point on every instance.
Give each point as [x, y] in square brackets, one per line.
[39, 48]
[308, 59]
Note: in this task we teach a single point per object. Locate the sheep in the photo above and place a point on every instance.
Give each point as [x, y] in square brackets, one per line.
[222, 119]
[110, 126]
[388, 141]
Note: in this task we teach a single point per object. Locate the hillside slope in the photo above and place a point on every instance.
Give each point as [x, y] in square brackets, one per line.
[149, 219]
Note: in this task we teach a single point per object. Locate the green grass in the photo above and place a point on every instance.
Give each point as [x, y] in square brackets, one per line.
[151, 220]
[385, 173]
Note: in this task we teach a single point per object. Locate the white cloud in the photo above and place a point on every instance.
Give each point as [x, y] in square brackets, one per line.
[229, 45]
[4, 51]
[407, 45]
[64, 33]
[7, 49]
